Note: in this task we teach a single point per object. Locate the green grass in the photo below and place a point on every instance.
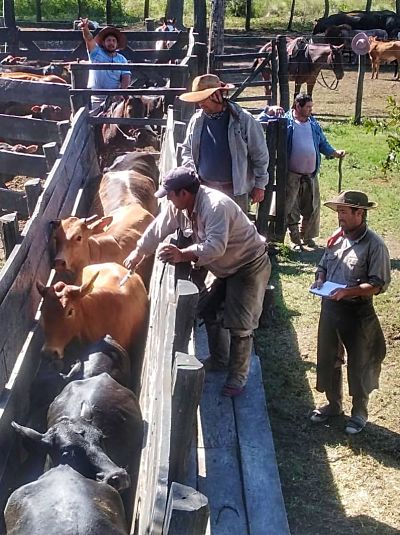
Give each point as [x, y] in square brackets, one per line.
[333, 484]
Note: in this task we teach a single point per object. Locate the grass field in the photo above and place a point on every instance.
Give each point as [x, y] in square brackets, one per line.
[333, 484]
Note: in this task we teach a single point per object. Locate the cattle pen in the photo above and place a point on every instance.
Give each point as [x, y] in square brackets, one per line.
[206, 463]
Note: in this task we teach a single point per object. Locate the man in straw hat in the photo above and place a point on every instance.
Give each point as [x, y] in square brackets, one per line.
[227, 243]
[357, 258]
[224, 143]
[103, 49]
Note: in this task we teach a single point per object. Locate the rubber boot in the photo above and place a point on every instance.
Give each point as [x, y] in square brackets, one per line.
[218, 343]
[239, 360]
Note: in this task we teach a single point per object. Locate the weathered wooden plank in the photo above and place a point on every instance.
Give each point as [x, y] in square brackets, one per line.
[187, 296]
[13, 201]
[9, 232]
[27, 129]
[34, 92]
[132, 121]
[187, 380]
[156, 91]
[155, 401]
[187, 511]
[16, 163]
[33, 190]
[218, 460]
[145, 68]
[261, 483]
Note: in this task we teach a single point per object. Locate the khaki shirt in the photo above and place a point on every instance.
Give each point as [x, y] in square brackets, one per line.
[224, 238]
[355, 262]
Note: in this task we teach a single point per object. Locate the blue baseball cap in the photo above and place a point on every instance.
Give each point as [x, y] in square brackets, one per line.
[176, 179]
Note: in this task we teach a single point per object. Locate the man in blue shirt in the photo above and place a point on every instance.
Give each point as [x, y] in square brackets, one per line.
[103, 49]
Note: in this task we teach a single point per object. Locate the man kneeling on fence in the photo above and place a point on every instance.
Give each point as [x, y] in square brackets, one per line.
[228, 245]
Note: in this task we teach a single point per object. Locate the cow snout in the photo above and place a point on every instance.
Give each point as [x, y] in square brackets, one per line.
[118, 480]
[60, 264]
[51, 354]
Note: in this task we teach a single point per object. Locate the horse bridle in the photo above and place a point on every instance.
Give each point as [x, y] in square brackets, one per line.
[335, 82]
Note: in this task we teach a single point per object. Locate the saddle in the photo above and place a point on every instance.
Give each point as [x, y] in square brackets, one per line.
[299, 59]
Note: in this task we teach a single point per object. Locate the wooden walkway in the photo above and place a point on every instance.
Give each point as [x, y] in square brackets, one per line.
[234, 463]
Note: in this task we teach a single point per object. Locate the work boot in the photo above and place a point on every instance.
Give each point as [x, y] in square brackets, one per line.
[218, 344]
[239, 361]
[295, 240]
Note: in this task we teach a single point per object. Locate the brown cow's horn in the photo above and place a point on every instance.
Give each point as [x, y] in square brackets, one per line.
[91, 219]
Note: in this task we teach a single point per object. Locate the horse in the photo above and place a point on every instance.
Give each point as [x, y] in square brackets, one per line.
[306, 60]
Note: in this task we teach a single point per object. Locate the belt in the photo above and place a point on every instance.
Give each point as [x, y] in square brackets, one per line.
[225, 187]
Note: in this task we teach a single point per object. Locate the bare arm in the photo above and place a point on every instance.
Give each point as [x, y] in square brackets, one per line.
[88, 37]
[125, 81]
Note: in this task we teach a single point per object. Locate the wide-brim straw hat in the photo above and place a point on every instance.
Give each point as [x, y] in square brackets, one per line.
[111, 30]
[360, 44]
[353, 199]
[203, 86]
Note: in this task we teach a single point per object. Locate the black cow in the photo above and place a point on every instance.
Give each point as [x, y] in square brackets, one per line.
[63, 501]
[360, 20]
[94, 425]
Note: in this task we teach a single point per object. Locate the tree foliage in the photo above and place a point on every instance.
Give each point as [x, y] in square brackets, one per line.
[391, 128]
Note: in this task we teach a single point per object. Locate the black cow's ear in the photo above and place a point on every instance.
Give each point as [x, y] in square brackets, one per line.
[27, 432]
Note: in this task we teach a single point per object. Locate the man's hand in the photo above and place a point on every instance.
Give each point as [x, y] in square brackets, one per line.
[170, 253]
[133, 259]
[339, 154]
[338, 294]
[84, 24]
[317, 284]
[257, 195]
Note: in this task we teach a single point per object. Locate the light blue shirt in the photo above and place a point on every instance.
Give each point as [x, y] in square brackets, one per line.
[105, 79]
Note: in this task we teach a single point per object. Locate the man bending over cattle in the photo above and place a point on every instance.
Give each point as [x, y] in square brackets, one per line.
[228, 245]
[103, 49]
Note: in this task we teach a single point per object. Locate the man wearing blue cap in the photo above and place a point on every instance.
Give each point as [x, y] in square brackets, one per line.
[227, 244]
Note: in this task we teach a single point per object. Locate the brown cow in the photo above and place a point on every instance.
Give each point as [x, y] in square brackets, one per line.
[383, 51]
[26, 149]
[30, 77]
[97, 307]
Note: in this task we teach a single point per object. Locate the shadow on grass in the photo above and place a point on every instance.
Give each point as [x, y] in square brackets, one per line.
[312, 501]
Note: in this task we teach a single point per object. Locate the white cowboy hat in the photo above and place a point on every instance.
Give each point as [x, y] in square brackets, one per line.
[203, 86]
[360, 44]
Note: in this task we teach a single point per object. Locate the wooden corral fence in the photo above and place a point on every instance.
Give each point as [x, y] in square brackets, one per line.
[162, 505]
[15, 129]
[140, 47]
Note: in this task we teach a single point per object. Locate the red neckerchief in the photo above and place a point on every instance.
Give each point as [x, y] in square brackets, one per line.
[334, 238]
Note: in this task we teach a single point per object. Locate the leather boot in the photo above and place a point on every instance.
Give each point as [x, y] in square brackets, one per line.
[239, 360]
[218, 344]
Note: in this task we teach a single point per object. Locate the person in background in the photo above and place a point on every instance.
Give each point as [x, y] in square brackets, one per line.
[103, 49]
[306, 143]
[224, 143]
[227, 243]
[357, 258]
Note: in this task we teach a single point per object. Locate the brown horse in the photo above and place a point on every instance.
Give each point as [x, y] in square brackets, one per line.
[306, 60]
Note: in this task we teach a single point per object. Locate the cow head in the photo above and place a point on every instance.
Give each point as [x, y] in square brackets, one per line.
[49, 113]
[61, 316]
[145, 137]
[134, 107]
[79, 444]
[71, 243]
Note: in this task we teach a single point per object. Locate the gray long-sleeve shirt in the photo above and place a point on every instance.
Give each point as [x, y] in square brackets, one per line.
[225, 239]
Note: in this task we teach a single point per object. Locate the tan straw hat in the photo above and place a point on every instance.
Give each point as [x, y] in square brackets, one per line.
[353, 199]
[203, 86]
[111, 30]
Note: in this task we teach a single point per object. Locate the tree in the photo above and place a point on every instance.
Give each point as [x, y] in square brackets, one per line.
[390, 127]
[326, 10]
[368, 5]
[289, 26]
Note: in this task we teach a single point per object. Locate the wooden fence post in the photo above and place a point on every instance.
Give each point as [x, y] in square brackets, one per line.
[281, 174]
[360, 86]
[216, 34]
[33, 190]
[9, 232]
[274, 74]
[248, 15]
[263, 215]
[283, 72]
[9, 13]
[63, 127]
[187, 387]
[51, 152]
[200, 19]
[149, 22]
[186, 303]
[187, 511]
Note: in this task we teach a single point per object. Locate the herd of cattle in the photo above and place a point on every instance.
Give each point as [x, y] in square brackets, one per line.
[93, 433]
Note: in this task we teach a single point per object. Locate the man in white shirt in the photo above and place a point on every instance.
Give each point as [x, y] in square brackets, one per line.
[228, 245]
